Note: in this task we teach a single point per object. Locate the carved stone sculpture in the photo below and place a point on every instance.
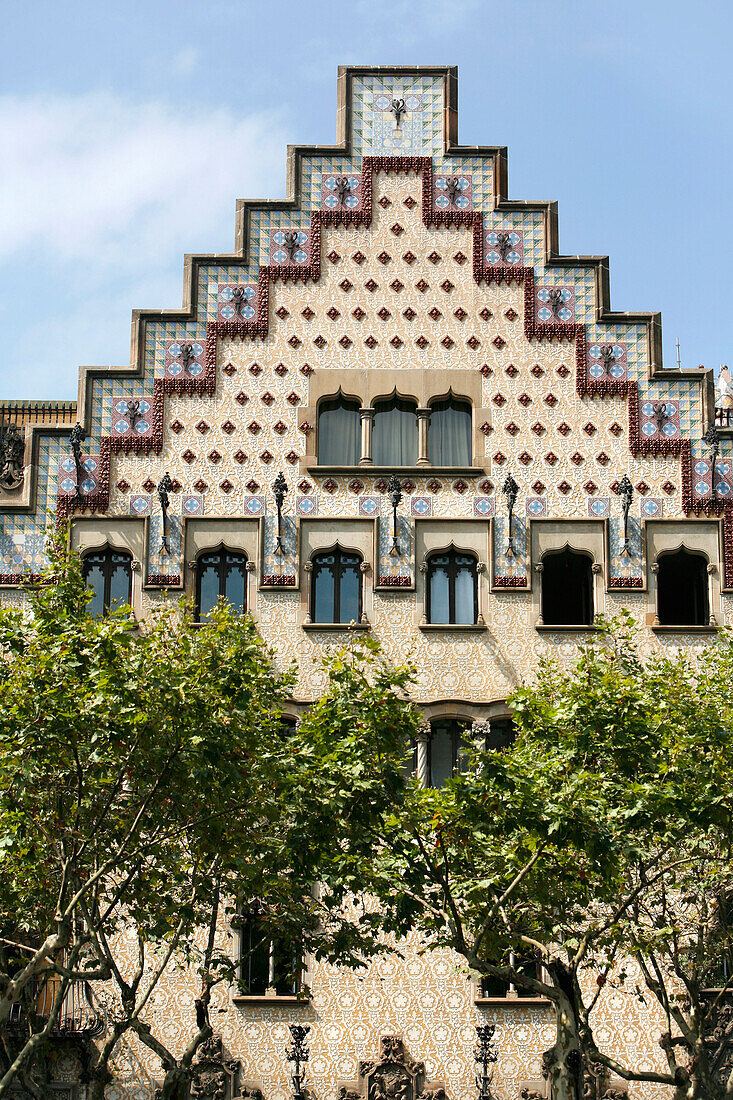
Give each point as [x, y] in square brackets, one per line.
[12, 448]
[392, 1076]
[213, 1075]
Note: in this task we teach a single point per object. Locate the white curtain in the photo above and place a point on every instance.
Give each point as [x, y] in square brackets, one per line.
[394, 442]
[339, 432]
[449, 435]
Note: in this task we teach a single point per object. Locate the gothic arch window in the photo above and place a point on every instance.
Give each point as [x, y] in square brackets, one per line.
[336, 587]
[452, 588]
[682, 589]
[394, 439]
[339, 431]
[450, 435]
[220, 574]
[567, 588]
[108, 575]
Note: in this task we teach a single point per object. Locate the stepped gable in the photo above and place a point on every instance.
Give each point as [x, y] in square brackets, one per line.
[329, 217]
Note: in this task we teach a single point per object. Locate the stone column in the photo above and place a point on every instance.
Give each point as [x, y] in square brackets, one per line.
[367, 422]
[423, 423]
[423, 754]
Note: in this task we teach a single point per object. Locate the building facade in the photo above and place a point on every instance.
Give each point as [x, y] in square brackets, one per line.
[395, 408]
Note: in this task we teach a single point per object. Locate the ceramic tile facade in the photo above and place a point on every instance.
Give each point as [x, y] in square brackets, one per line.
[224, 446]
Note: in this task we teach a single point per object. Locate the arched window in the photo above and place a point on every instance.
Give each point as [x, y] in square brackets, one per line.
[108, 573]
[221, 574]
[452, 588]
[339, 432]
[567, 589]
[682, 589]
[450, 441]
[336, 587]
[394, 439]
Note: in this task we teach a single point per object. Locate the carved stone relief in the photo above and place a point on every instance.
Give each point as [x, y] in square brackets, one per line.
[392, 1076]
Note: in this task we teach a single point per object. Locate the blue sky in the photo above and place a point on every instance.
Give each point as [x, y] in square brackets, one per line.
[129, 129]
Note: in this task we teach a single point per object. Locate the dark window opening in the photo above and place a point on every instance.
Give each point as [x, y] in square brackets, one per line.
[567, 589]
[267, 962]
[339, 432]
[450, 435]
[446, 749]
[501, 733]
[394, 436]
[682, 589]
[452, 583]
[336, 587]
[497, 987]
[108, 575]
[221, 574]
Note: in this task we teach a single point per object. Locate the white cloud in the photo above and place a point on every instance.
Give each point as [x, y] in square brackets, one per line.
[94, 178]
[99, 199]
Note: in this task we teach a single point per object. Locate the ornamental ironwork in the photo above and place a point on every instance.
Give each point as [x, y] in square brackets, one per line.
[626, 492]
[279, 491]
[12, 448]
[485, 1055]
[298, 1053]
[394, 492]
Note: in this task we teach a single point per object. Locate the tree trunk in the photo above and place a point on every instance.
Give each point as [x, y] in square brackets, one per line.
[565, 1060]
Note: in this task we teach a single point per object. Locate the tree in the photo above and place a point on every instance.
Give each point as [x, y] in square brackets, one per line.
[146, 789]
[554, 844]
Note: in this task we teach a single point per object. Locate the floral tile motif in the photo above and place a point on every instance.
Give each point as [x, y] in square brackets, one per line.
[141, 505]
[504, 248]
[599, 508]
[183, 358]
[651, 508]
[306, 506]
[192, 505]
[659, 419]
[289, 247]
[129, 418]
[236, 302]
[485, 507]
[555, 304]
[453, 193]
[254, 505]
[341, 192]
[369, 506]
[535, 506]
[607, 362]
[67, 476]
[421, 506]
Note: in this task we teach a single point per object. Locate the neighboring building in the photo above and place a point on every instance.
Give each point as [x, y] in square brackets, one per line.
[396, 318]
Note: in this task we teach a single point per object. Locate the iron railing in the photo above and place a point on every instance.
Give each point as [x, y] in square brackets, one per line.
[76, 1015]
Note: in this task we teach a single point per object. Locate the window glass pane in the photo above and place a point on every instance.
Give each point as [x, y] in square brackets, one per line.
[119, 581]
[235, 584]
[339, 433]
[208, 585]
[287, 968]
[394, 440]
[441, 754]
[439, 590]
[95, 582]
[449, 434]
[323, 589]
[349, 591]
[255, 963]
[465, 590]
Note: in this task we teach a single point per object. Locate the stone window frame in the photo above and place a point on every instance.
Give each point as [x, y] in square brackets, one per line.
[202, 535]
[584, 536]
[471, 536]
[699, 537]
[318, 534]
[423, 387]
[126, 534]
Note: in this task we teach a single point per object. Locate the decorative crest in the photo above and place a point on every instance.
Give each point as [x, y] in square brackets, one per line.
[342, 189]
[290, 243]
[503, 244]
[187, 356]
